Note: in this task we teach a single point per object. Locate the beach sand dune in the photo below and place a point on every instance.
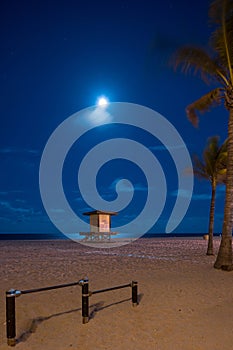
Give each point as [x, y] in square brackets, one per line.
[184, 303]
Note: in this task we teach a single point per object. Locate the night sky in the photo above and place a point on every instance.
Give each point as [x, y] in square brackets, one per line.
[58, 57]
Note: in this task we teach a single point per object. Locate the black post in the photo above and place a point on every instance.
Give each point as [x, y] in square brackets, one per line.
[85, 300]
[10, 317]
[134, 293]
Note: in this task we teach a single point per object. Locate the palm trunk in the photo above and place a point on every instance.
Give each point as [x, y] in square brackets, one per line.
[210, 249]
[224, 257]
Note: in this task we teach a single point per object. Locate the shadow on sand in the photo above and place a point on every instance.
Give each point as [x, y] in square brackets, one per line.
[93, 310]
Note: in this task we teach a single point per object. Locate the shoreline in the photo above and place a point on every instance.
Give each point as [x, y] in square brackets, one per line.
[39, 236]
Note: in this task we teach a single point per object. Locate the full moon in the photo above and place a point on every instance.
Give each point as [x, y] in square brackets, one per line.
[102, 101]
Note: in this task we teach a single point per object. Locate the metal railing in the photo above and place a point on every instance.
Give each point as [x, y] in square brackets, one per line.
[84, 283]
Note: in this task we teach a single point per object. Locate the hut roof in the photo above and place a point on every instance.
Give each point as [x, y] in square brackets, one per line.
[99, 212]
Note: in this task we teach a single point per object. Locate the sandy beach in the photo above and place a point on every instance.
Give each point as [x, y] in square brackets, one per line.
[184, 303]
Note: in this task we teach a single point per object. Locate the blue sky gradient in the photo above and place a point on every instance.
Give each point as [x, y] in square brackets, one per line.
[57, 58]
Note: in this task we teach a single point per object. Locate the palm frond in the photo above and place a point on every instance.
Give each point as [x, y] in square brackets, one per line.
[216, 10]
[221, 14]
[213, 144]
[203, 104]
[199, 168]
[221, 165]
[222, 176]
[219, 45]
[201, 175]
[213, 163]
[211, 155]
[196, 60]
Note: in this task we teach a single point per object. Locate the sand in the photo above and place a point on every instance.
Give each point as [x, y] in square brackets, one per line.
[184, 303]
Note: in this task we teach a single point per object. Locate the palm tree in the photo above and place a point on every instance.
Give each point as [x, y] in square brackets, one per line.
[212, 168]
[216, 67]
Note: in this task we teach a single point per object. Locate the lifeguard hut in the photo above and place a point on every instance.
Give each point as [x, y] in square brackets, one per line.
[100, 226]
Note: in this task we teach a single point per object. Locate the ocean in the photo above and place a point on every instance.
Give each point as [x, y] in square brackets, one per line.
[56, 236]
